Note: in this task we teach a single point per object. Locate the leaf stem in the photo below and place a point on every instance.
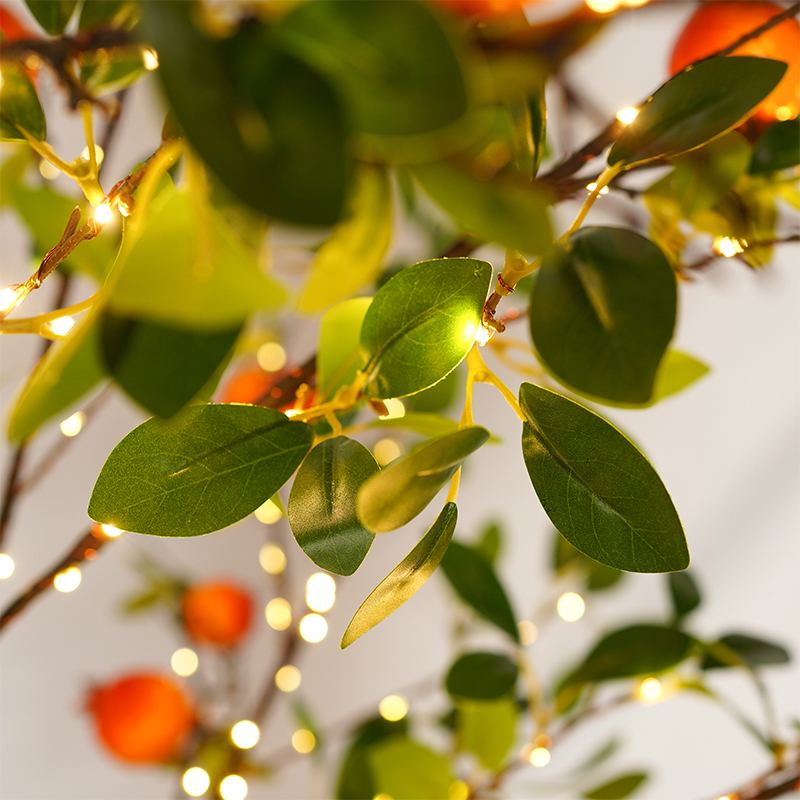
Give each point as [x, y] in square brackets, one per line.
[482, 374]
[605, 177]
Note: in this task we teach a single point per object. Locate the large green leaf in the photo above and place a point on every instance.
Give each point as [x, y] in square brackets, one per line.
[684, 593]
[52, 15]
[733, 649]
[633, 651]
[339, 356]
[19, 106]
[205, 470]
[697, 105]
[406, 770]
[162, 367]
[475, 581]
[618, 788]
[778, 148]
[188, 269]
[424, 424]
[398, 493]
[603, 311]
[393, 62]
[351, 258]
[488, 729]
[422, 323]
[322, 504]
[406, 578]
[502, 210]
[481, 676]
[599, 491]
[269, 126]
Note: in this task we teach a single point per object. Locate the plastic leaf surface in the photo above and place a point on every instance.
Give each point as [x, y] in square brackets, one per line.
[406, 770]
[618, 788]
[598, 489]
[482, 676]
[19, 106]
[778, 148]
[339, 356]
[488, 729]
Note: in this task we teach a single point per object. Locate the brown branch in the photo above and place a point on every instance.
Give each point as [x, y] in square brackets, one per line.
[85, 549]
[792, 11]
[712, 257]
[775, 783]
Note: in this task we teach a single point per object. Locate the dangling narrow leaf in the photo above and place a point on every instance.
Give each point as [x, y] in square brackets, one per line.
[739, 648]
[406, 578]
[684, 593]
[617, 789]
[19, 106]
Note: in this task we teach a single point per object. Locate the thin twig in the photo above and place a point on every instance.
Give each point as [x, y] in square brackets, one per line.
[712, 257]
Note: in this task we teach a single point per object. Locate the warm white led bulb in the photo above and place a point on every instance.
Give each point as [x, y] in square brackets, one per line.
[6, 566]
[570, 606]
[287, 678]
[102, 213]
[393, 707]
[627, 115]
[320, 592]
[184, 662]
[195, 781]
[313, 628]
[234, 787]
[245, 734]
[303, 740]
[68, 580]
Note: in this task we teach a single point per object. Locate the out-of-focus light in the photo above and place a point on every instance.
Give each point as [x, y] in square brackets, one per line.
[592, 186]
[271, 357]
[125, 207]
[458, 790]
[539, 757]
[98, 154]
[48, 171]
[303, 740]
[195, 781]
[320, 592]
[570, 606]
[527, 632]
[68, 580]
[184, 662]
[149, 59]
[245, 734]
[482, 335]
[288, 678]
[272, 558]
[382, 796]
[234, 787]
[110, 530]
[6, 566]
[102, 213]
[278, 614]
[62, 325]
[10, 297]
[387, 450]
[725, 246]
[393, 707]
[783, 113]
[313, 628]
[73, 424]
[627, 114]
[650, 690]
[603, 6]
[395, 407]
[268, 513]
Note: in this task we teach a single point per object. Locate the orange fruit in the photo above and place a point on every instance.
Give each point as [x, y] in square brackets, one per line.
[248, 385]
[141, 718]
[217, 613]
[717, 25]
[483, 8]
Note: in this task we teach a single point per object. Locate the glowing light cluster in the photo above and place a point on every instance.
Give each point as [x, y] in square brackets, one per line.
[245, 734]
[387, 450]
[73, 424]
[6, 566]
[195, 781]
[62, 325]
[10, 297]
[303, 740]
[184, 662]
[268, 513]
[278, 614]
[103, 213]
[627, 115]
[592, 186]
[234, 787]
[272, 558]
[570, 606]
[313, 628]
[320, 592]
[288, 678]
[393, 707]
[539, 757]
[650, 690]
[725, 246]
[68, 580]
[149, 59]
[271, 357]
[111, 531]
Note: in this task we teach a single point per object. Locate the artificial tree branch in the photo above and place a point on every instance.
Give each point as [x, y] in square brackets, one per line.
[712, 257]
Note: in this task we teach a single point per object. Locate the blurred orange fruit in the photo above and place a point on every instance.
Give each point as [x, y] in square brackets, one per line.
[217, 613]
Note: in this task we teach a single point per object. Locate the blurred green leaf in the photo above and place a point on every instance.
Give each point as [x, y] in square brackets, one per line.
[481, 676]
[603, 311]
[203, 471]
[623, 786]
[490, 542]
[684, 593]
[754, 652]
[476, 583]
[19, 106]
[52, 15]
[422, 323]
[424, 424]
[488, 729]
[405, 579]
[322, 504]
[339, 356]
[393, 62]
[355, 780]
[500, 209]
[778, 148]
[599, 491]
[406, 770]
[403, 489]
[596, 576]
[101, 74]
[676, 372]
[700, 103]
[351, 258]
[111, 13]
[438, 397]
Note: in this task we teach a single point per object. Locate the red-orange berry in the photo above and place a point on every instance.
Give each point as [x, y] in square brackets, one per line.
[217, 613]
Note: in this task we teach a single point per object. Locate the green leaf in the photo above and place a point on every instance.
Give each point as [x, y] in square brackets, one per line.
[339, 356]
[500, 209]
[597, 576]
[20, 108]
[322, 504]
[355, 777]
[401, 491]
[205, 470]
[162, 367]
[623, 786]
[422, 323]
[111, 13]
[778, 148]
[424, 424]
[702, 102]
[599, 491]
[393, 62]
[684, 593]
[406, 578]
[351, 258]
[406, 770]
[633, 651]
[266, 123]
[52, 15]
[475, 582]
[438, 397]
[206, 278]
[101, 75]
[603, 311]
[676, 372]
[739, 647]
[67, 372]
[490, 542]
[488, 729]
[481, 676]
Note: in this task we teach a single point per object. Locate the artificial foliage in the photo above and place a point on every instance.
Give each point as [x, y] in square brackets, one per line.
[341, 123]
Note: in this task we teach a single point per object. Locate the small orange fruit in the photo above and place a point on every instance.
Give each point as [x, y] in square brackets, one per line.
[716, 25]
[248, 385]
[141, 718]
[217, 613]
[485, 9]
